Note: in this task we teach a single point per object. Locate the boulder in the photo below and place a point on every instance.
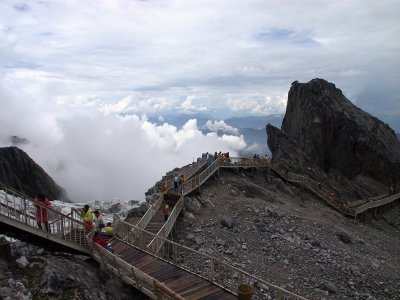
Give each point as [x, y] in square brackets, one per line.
[22, 262]
[330, 287]
[115, 208]
[188, 216]
[138, 211]
[344, 237]
[227, 222]
[192, 204]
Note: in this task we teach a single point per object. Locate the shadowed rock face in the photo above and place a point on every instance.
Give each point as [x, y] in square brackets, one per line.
[336, 135]
[289, 156]
[20, 172]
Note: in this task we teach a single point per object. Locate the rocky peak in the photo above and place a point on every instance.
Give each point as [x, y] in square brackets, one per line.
[20, 172]
[337, 135]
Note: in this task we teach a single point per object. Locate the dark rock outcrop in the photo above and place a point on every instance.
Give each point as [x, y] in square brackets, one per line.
[20, 172]
[336, 135]
[290, 157]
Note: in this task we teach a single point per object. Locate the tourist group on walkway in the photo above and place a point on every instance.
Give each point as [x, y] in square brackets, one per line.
[93, 220]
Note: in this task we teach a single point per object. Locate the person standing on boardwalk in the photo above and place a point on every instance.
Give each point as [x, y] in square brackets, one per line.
[42, 215]
[109, 229]
[99, 240]
[164, 189]
[98, 221]
[166, 212]
[181, 182]
[87, 217]
[176, 180]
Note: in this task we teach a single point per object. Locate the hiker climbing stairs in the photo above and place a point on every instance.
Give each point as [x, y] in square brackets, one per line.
[158, 220]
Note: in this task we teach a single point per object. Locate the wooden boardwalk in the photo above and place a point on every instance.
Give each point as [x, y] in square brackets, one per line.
[158, 220]
[183, 283]
[177, 273]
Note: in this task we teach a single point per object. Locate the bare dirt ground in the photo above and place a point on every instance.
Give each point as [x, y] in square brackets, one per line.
[289, 237]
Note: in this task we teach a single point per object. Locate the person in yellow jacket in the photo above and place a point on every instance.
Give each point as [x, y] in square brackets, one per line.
[166, 212]
[87, 217]
[109, 229]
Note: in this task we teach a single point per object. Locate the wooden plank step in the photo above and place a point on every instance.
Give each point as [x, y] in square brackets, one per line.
[166, 273]
[131, 253]
[196, 286]
[156, 267]
[119, 246]
[183, 281]
[127, 253]
[144, 261]
[220, 295]
[203, 292]
[191, 287]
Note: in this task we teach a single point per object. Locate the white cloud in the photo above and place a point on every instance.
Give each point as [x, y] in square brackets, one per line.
[221, 126]
[118, 107]
[267, 105]
[103, 156]
[236, 143]
[216, 50]
[188, 106]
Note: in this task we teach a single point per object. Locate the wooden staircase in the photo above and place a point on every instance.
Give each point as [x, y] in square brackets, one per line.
[158, 219]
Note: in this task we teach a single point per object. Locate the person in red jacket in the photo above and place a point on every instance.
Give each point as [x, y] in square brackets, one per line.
[164, 189]
[98, 240]
[42, 215]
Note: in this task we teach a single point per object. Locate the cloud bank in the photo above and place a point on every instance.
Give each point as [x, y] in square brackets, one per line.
[98, 156]
[233, 57]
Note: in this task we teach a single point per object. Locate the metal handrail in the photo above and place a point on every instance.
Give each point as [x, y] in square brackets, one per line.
[155, 206]
[154, 246]
[201, 264]
[376, 203]
[195, 182]
[150, 213]
[21, 208]
[131, 274]
[241, 162]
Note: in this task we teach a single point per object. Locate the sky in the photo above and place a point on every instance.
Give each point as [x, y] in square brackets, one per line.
[78, 79]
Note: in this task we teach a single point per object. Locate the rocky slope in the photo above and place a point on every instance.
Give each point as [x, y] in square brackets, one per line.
[285, 235]
[337, 135]
[33, 273]
[20, 172]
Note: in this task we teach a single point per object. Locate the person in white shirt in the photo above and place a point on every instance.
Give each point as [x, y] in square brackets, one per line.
[98, 221]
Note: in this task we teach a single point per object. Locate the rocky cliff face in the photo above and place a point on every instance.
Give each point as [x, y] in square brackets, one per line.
[337, 135]
[20, 172]
[290, 157]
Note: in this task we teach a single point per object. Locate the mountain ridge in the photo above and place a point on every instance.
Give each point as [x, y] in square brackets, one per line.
[22, 173]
